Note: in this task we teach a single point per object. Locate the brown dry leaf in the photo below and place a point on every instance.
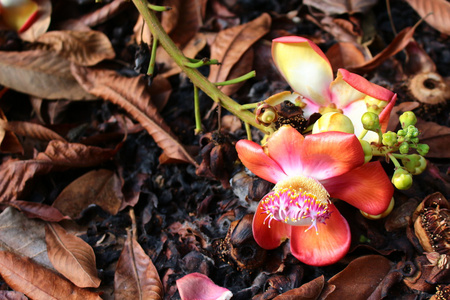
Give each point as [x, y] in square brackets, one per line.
[337, 7]
[85, 48]
[435, 136]
[345, 55]
[32, 130]
[15, 228]
[104, 13]
[37, 282]
[100, 187]
[136, 277]
[42, 22]
[231, 44]
[132, 95]
[9, 143]
[308, 291]
[360, 278]
[71, 256]
[398, 44]
[38, 210]
[440, 9]
[41, 74]
[12, 295]
[15, 174]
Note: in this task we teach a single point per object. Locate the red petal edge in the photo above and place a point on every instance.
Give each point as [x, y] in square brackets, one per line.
[268, 238]
[325, 248]
[196, 286]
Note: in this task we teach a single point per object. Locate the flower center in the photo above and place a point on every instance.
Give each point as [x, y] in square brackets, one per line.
[297, 201]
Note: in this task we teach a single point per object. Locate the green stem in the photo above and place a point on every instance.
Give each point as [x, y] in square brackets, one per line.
[394, 160]
[249, 75]
[249, 131]
[194, 75]
[151, 65]
[363, 134]
[198, 117]
[158, 7]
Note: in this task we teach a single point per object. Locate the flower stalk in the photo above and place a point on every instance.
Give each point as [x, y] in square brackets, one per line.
[194, 75]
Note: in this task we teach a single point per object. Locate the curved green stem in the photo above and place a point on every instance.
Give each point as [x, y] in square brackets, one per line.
[394, 160]
[194, 75]
[249, 75]
[151, 65]
[198, 117]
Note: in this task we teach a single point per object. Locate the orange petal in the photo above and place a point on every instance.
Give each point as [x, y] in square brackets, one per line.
[367, 188]
[253, 157]
[384, 115]
[364, 86]
[268, 237]
[197, 286]
[342, 93]
[327, 246]
[329, 154]
[284, 147]
[304, 66]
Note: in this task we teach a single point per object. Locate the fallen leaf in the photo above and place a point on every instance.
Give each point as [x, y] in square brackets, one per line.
[59, 156]
[308, 291]
[435, 136]
[9, 143]
[41, 74]
[136, 277]
[103, 14]
[440, 9]
[41, 24]
[85, 48]
[337, 7]
[12, 295]
[345, 55]
[131, 94]
[398, 44]
[71, 256]
[32, 130]
[231, 44]
[38, 210]
[100, 187]
[360, 278]
[23, 236]
[37, 282]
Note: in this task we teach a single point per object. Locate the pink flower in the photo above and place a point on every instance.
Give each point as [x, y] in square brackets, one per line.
[307, 171]
[196, 286]
[308, 71]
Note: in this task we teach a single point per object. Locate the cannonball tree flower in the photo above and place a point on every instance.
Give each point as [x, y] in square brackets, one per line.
[309, 73]
[18, 15]
[307, 171]
[196, 286]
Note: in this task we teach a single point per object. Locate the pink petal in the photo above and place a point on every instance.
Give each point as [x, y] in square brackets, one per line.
[196, 286]
[329, 154]
[284, 147]
[342, 93]
[367, 188]
[365, 86]
[304, 66]
[253, 157]
[386, 112]
[268, 237]
[328, 246]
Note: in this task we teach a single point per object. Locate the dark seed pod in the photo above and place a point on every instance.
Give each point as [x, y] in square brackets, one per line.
[290, 114]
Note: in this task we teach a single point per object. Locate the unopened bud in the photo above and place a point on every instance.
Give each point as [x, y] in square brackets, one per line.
[383, 214]
[333, 121]
[414, 163]
[407, 118]
[423, 149]
[368, 152]
[402, 179]
[370, 121]
[389, 138]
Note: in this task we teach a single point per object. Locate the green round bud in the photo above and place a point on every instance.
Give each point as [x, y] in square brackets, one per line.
[412, 132]
[368, 153]
[401, 132]
[402, 179]
[333, 121]
[370, 121]
[423, 149]
[407, 118]
[414, 140]
[389, 138]
[404, 148]
[414, 163]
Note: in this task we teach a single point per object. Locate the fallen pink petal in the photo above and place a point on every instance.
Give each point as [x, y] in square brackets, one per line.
[196, 286]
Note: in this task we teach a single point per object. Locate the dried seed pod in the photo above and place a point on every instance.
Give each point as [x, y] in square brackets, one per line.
[241, 250]
[290, 114]
[432, 224]
[429, 88]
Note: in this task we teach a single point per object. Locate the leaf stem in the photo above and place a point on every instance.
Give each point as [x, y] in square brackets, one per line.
[249, 75]
[198, 117]
[194, 75]
[151, 65]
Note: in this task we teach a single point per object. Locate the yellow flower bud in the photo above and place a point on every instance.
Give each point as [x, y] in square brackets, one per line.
[333, 121]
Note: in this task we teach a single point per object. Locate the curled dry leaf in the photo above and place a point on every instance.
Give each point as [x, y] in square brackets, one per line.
[136, 277]
[32, 130]
[435, 136]
[71, 256]
[12, 295]
[41, 24]
[9, 143]
[345, 55]
[336, 7]
[231, 44]
[85, 48]
[41, 74]
[59, 156]
[24, 275]
[360, 278]
[132, 95]
[440, 9]
[308, 291]
[100, 187]
[15, 228]
[103, 14]
[38, 210]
